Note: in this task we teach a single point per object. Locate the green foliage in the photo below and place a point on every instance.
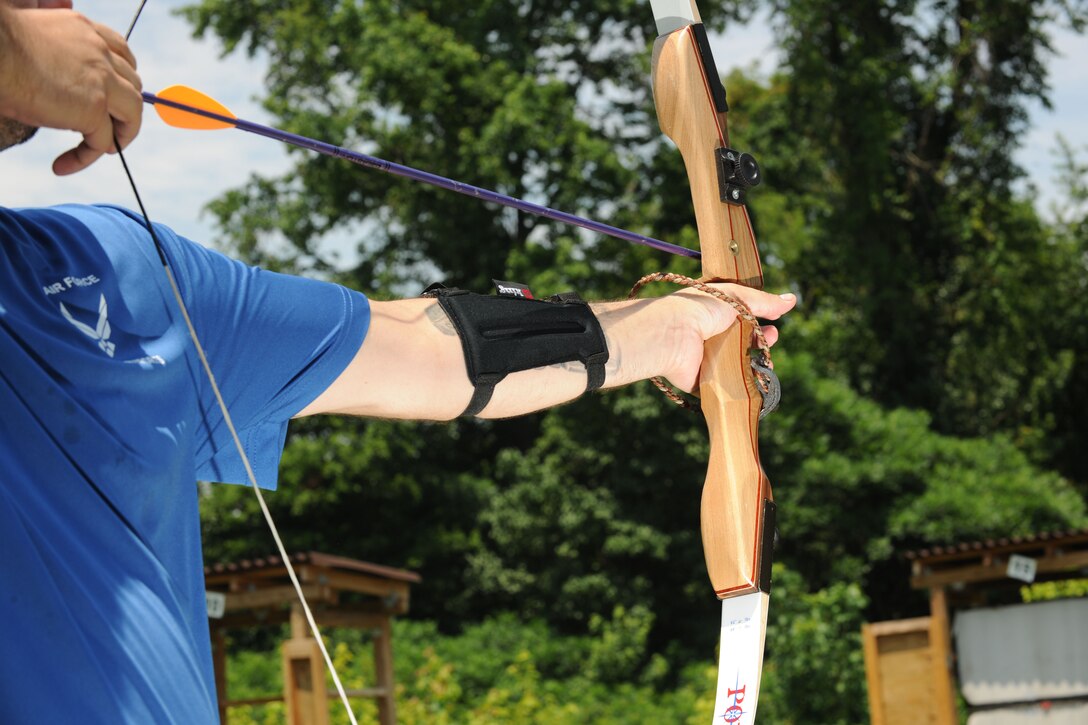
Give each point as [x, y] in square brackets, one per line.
[485, 92]
[254, 674]
[1069, 238]
[498, 671]
[504, 670]
[867, 480]
[935, 379]
[1061, 589]
[815, 671]
[555, 532]
[920, 266]
[620, 646]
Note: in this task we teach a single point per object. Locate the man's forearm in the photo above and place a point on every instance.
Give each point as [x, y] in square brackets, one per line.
[642, 336]
[412, 365]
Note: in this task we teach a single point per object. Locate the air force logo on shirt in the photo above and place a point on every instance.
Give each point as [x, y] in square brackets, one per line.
[100, 333]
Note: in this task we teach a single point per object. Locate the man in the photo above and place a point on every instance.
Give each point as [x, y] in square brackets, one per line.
[107, 419]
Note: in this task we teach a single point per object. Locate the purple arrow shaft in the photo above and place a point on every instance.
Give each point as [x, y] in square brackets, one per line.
[373, 162]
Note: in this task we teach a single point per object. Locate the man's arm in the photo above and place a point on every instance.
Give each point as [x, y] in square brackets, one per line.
[60, 70]
[411, 364]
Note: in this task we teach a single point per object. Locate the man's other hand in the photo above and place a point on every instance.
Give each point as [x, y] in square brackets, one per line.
[59, 69]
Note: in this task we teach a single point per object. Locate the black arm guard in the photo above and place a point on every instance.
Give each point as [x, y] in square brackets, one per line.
[502, 335]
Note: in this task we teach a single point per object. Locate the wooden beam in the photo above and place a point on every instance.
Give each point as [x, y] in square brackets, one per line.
[274, 596]
[872, 675]
[265, 700]
[347, 618]
[897, 626]
[1059, 564]
[372, 692]
[300, 628]
[1069, 542]
[219, 664]
[940, 643]
[242, 577]
[251, 618]
[358, 615]
[383, 670]
[395, 593]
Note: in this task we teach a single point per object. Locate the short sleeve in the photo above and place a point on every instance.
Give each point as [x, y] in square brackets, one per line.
[274, 342]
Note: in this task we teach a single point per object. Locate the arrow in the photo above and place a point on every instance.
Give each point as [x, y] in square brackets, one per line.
[185, 107]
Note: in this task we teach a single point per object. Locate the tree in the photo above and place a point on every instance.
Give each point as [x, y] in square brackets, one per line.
[926, 399]
[922, 267]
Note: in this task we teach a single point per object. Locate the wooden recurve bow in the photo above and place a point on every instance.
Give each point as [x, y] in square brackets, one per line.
[738, 510]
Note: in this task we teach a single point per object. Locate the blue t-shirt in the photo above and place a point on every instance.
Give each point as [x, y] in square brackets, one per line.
[106, 423]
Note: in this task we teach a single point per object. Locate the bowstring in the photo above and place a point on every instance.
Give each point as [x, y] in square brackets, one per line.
[227, 417]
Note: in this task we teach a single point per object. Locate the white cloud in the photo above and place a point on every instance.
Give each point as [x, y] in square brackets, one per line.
[1069, 98]
[177, 171]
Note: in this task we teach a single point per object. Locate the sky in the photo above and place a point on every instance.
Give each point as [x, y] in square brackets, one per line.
[178, 172]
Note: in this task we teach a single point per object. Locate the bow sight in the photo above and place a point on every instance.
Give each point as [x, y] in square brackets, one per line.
[737, 172]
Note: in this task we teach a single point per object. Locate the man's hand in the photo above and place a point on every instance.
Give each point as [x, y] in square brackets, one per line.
[60, 70]
[709, 318]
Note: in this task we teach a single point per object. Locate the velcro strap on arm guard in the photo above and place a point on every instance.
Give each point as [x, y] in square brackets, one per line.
[502, 335]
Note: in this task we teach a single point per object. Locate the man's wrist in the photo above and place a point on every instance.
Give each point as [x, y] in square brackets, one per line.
[644, 337]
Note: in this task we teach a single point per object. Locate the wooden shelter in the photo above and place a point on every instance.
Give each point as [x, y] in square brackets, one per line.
[341, 592]
[910, 663]
[972, 571]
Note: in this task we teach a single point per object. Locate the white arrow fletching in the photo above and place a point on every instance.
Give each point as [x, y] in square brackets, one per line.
[740, 664]
[674, 14]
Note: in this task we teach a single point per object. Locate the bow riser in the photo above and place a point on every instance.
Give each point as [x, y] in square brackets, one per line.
[736, 489]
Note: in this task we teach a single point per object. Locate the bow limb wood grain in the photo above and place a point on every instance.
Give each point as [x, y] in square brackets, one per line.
[736, 501]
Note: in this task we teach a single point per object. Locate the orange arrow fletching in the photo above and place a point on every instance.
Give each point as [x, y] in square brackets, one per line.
[185, 119]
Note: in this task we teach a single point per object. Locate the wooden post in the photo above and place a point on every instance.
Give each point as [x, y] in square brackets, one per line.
[383, 669]
[940, 638]
[304, 675]
[872, 675]
[219, 662]
[900, 671]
